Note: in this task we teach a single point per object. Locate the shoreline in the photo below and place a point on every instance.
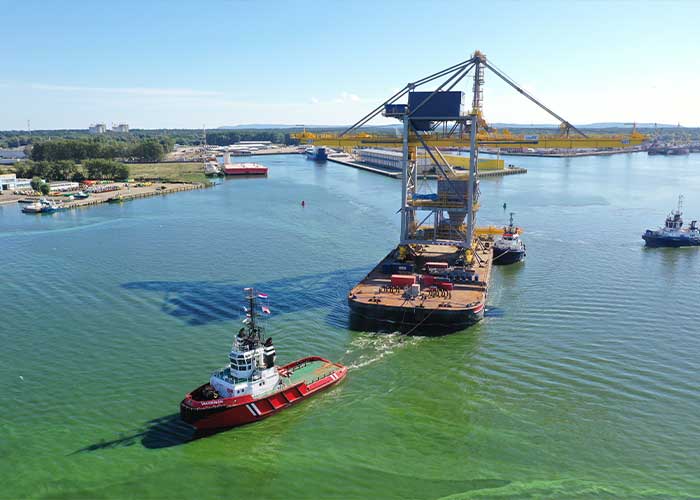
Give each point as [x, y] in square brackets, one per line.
[129, 193]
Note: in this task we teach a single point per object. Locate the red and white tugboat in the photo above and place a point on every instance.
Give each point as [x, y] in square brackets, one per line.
[251, 387]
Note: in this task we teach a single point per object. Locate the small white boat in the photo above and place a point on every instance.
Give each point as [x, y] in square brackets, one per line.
[212, 168]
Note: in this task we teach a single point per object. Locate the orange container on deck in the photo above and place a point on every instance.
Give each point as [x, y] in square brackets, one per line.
[403, 279]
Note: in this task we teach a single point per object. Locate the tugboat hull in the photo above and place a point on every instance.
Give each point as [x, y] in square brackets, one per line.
[655, 241]
[205, 412]
[506, 257]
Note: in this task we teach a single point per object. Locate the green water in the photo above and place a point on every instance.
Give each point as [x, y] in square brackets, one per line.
[581, 382]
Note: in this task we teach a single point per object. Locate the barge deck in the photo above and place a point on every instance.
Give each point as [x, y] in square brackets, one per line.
[448, 296]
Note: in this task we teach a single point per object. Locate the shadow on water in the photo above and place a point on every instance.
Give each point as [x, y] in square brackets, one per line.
[203, 302]
[162, 432]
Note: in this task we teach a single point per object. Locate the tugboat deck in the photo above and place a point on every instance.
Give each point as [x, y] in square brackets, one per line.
[309, 372]
[372, 289]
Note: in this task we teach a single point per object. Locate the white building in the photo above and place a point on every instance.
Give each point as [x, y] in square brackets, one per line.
[10, 182]
[122, 128]
[62, 186]
[98, 128]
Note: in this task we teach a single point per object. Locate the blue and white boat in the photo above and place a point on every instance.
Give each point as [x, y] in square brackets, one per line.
[43, 206]
[673, 234]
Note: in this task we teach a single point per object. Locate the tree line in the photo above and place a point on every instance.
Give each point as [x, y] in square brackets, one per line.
[68, 170]
[227, 137]
[148, 150]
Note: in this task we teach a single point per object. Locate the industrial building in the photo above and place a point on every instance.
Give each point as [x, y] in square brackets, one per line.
[10, 182]
[97, 128]
[122, 128]
[62, 186]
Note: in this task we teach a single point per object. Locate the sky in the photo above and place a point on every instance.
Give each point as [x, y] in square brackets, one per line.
[184, 64]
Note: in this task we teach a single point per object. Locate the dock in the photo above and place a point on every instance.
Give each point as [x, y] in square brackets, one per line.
[132, 192]
[390, 172]
[161, 190]
[377, 170]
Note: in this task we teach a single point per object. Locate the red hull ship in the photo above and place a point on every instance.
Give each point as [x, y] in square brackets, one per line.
[252, 388]
[244, 169]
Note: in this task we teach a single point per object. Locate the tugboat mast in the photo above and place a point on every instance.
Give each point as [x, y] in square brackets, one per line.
[251, 315]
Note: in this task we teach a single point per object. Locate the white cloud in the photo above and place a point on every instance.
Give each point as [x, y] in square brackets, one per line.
[314, 100]
[142, 91]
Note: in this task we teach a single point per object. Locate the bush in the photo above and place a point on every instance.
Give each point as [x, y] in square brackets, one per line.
[36, 183]
[45, 189]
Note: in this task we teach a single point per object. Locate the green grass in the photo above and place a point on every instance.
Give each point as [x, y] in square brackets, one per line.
[173, 172]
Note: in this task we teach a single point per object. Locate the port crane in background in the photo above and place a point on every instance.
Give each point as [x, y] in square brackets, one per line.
[434, 120]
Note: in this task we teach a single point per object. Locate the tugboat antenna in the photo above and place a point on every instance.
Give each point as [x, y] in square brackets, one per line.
[680, 204]
[251, 308]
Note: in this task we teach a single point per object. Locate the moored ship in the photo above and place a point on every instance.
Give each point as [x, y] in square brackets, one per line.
[252, 387]
[245, 169]
[315, 153]
[509, 248]
[42, 206]
[242, 169]
[673, 234]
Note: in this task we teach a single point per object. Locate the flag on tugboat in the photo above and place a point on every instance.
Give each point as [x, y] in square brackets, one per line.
[266, 310]
[262, 295]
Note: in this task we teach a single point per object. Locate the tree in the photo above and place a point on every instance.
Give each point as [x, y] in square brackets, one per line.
[61, 170]
[105, 169]
[121, 172]
[44, 188]
[24, 169]
[36, 183]
[149, 150]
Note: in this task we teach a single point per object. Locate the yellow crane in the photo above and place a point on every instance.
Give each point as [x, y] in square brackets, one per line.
[442, 119]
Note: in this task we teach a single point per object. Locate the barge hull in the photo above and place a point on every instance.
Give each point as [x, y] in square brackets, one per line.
[429, 322]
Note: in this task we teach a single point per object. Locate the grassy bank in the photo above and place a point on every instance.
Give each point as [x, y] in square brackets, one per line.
[172, 172]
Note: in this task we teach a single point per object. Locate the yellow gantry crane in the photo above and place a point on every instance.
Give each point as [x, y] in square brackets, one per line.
[438, 119]
[454, 136]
